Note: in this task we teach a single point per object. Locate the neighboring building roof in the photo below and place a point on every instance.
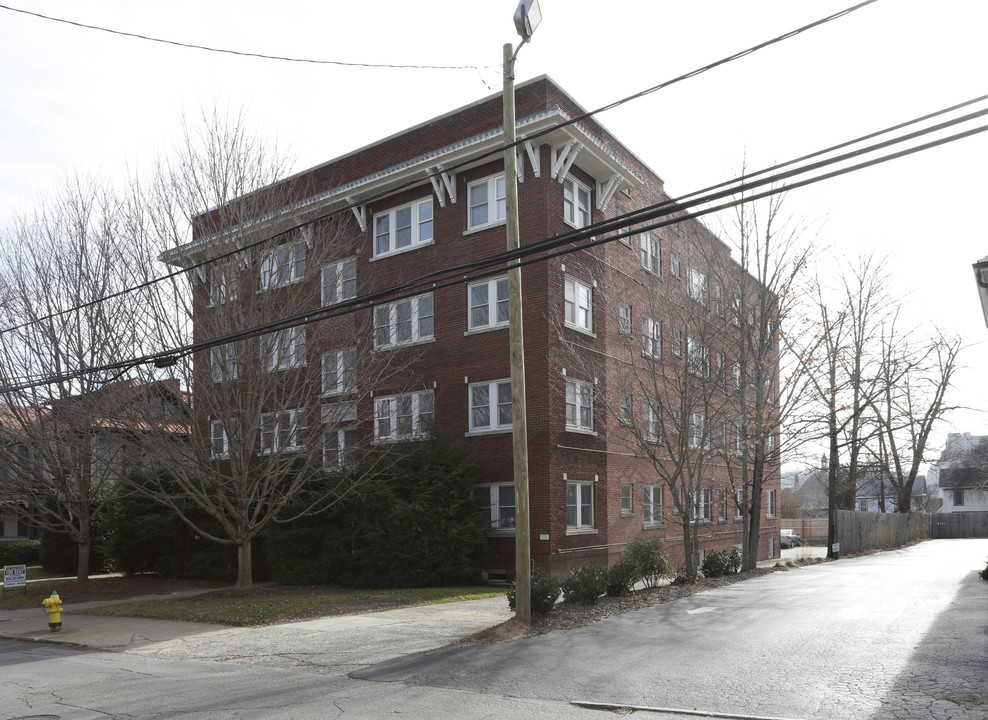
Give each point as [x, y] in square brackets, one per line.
[958, 478]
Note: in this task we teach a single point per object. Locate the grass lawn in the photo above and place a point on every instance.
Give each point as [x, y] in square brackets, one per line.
[273, 605]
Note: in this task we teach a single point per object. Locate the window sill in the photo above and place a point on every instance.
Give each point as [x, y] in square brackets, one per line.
[279, 286]
[653, 526]
[580, 431]
[627, 513]
[579, 329]
[581, 531]
[500, 532]
[401, 251]
[488, 226]
[485, 329]
[399, 346]
[481, 433]
[324, 304]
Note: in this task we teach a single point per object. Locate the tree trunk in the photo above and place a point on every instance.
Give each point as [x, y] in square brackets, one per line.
[754, 519]
[82, 567]
[245, 566]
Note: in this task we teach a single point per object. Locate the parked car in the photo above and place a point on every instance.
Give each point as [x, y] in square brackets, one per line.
[789, 538]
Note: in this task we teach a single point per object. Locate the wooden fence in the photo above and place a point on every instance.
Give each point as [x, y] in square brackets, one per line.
[811, 530]
[959, 525]
[858, 531]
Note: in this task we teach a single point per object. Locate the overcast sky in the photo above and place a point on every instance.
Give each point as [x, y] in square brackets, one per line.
[80, 100]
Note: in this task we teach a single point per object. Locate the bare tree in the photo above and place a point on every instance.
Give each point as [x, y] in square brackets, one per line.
[276, 403]
[63, 437]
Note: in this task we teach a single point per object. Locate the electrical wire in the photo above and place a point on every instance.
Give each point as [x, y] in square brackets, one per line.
[536, 253]
[243, 53]
[452, 168]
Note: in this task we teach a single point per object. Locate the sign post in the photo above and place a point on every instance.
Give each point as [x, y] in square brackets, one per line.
[14, 576]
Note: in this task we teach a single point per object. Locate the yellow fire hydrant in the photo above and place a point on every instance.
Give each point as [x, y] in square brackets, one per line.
[53, 606]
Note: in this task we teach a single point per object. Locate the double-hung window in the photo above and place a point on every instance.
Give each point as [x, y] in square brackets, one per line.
[702, 506]
[698, 431]
[403, 417]
[770, 504]
[579, 505]
[403, 322]
[627, 499]
[739, 503]
[697, 357]
[721, 506]
[283, 431]
[403, 227]
[651, 337]
[338, 368]
[223, 362]
[223, 283]
[698, 285]
[624, 318]
[486, 200]
[651, 426]
[490, 406]
[339, 281]
[579, 305]
[283, 265]
[283, 349]
[653, 504]
[579, 406]
[720, 300]
[651, 260]
[500, 500]
[576, 203]
[677, 343]
[219, 445]
[339, 439]
[675, 265]
[488, 303]
[626, 411]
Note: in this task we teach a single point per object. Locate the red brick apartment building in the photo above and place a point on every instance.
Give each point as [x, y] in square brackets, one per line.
[595, 320]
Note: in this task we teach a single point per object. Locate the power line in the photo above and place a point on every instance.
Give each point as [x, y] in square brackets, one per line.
[241, 53]
[527, 254]
[497, 151]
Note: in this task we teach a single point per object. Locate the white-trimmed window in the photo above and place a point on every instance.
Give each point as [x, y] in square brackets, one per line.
[488, 303]
[721, 369]
[770, 504]
[219, 446]
[739, 503]
[579, 505]
[627, 499]
[486, 202]
[653, 504]
[283, 431]
[698, 285]
[702, 505]
[403, 322]
[403, 417]
[698, 431]
[490, 406]
[500, 499]
[283, 349]
[223, 283]
[675, 266]
[340, 437]
[677, 343]
[283, 265]
[720, 301]
[624, 318]
[651, 259]
[626, 409]
[651, 427]
[722, 506]
[576, 203]
[223, 363]
[338, 368]
[651, 337]
[579, 305]
[697, 357]
[579, 405]
[403, 227]
[339, 281]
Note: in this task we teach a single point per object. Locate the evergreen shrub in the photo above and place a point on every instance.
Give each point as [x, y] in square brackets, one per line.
[20, 552]
[545, 591]
[585, 584]
[650, 558]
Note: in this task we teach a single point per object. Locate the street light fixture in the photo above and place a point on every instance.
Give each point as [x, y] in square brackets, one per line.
[981, 277]
[527, 18]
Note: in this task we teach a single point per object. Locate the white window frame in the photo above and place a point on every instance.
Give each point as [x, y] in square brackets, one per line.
[699, 437]
[651, 337]
[675, 264]
[576, 203]
[421, 322]
[624, 318]
[651, 427]
[703, 505]
[286, 433]
[739, 503]
[579, 504]
[341, 420]
[626, 409]
[579, 406]
[627, 499]
[497, 494]
[720, 304]
[652, 505]
[283, 265]
[698, 285]
[420, 230]
[389, 411]
[497, 392]
[221, 436]
[338, 281]
[283, 349]
[722, 505]
[677, 343]
[223, 279]
[770, 504]
[651, 257]
[697, 357]
[495, 207]
[492, 305]
[578, 305]
[339, 371]
[223, 363]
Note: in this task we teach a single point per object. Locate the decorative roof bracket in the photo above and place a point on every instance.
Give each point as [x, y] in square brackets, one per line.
[444, 185]
[359, 212]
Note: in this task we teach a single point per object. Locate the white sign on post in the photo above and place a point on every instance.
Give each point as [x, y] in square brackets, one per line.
[14, 576]
[836, 547]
